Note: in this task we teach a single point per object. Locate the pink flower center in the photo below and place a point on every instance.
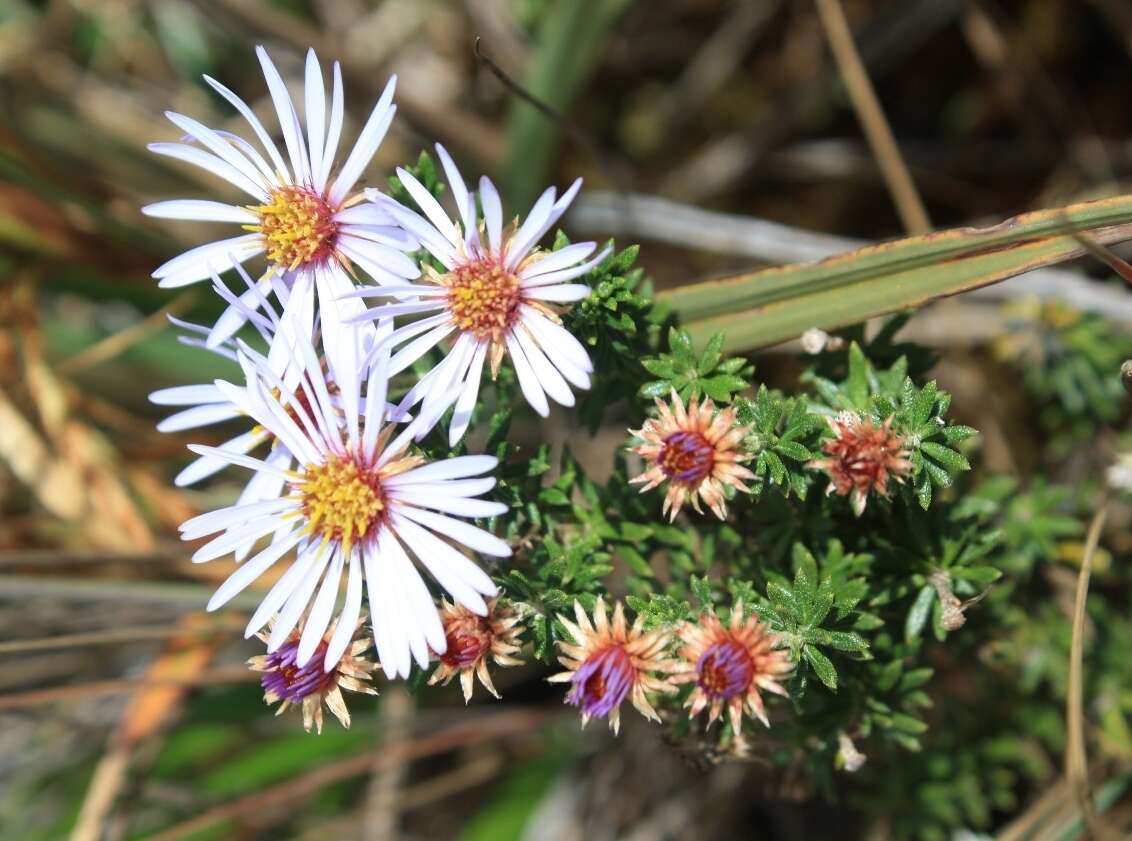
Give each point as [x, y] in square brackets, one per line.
[467, 642]
[725, 670]
[687, 457]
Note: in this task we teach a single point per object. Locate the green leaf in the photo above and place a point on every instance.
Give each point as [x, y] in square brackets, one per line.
[918, 615]
[763, 308]
[821, 665]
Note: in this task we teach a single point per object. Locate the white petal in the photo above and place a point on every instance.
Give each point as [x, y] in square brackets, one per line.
[219, 147]
[252, 569]
[563, 258]
[372, 134]
[493, 214]
[532, 229]
[530, 233]
[430, 206]
[199, 210]
[315, 110]
[347, 621]
[563, 293]
[318, 620]
[334, 134]
[458, 187]
[233, 515]
[239, 460]
[451, 468]
[471, 536]
[528, 382]
[285, 109]
[233, 537]
[460, 506]
[370, 245]
[234, 317]
[417, 348]
[549, 379]
[210, 163]
[205, 467]
[198, 416]
[308, 554]
[563, 275]
[297, 603]
[206, 260]
[392, 646]
[466, 402]
[186, 395]
[257, 126]
[430, 238]
[356, 252]
[556, 338]
[444, 563]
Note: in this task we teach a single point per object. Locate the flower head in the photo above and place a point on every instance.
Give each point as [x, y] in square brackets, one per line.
[695, 451]
[862, 457]
[497, 296]
[473, 641]
[609, 662]
[310, 686]
[311, 228]
[729, 665]
[356, 503]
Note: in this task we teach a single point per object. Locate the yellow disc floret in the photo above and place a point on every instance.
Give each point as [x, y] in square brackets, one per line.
[297, 225]
[341, 499]
[483, 298]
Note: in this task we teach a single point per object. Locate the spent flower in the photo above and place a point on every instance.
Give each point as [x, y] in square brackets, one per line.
[310, 686]
[475, 640]
[862, 457]
[730, 666]
[609, 662]
[696, 451]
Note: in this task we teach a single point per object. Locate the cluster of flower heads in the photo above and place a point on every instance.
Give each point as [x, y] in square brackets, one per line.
[336, 486]
[728, 666]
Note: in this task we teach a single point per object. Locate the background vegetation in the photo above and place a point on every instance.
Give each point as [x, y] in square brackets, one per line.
[126, 713]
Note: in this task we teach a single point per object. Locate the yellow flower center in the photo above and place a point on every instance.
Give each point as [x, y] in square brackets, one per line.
[297, 225]
[483, 298]
[342, 500]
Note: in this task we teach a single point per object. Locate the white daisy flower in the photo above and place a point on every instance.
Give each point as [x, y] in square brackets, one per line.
[311, 228]
[497, 296]
[204, 404]
[357, 506]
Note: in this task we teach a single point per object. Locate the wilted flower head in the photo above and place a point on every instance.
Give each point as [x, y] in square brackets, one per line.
[473, 640]
[310, 686]
[610, 662]
[695, 451]
[862, 457]
[729, 665]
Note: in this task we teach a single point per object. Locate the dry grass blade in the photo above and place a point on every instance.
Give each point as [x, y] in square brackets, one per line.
[52, 694]
[183, 657]
[877, 130]
[114, 636]
[1076, 764]
[463, 735]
